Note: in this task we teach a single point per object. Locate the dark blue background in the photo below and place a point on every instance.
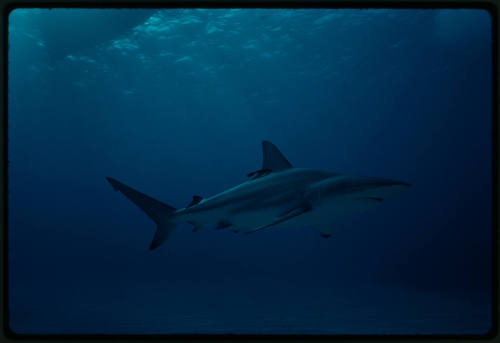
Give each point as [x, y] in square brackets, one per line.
[176, 103]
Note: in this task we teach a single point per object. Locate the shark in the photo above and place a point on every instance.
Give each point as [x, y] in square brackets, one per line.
[276, 196]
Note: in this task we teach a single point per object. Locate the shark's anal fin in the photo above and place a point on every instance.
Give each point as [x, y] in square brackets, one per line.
[284, 217]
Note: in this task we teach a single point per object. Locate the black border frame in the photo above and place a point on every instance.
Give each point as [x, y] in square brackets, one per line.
[9, 5]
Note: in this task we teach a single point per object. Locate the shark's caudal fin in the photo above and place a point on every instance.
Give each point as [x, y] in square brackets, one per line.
[161, 213]
[273, 160]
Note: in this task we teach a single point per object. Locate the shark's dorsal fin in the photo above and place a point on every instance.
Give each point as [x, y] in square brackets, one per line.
[272, 161]
[273, 158]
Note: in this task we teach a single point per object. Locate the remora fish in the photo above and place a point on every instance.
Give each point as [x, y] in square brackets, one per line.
[278, 195]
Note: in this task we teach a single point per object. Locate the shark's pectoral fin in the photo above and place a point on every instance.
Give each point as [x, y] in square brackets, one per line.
[292, 213]
[300, 207]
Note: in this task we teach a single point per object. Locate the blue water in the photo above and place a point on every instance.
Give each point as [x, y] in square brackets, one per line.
[176, 103]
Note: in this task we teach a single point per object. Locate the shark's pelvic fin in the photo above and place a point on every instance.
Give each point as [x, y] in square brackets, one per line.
[162, 214]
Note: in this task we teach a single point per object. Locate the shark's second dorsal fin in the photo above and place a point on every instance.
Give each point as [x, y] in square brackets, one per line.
[196, 200]
[273, 158]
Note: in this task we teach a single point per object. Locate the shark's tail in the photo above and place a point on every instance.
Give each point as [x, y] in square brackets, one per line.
[161, 213]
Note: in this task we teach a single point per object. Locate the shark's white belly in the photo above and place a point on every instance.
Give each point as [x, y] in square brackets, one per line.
[241, 221]
[323, 215]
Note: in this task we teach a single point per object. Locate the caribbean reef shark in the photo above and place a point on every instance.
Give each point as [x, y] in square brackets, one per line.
[278, 195]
